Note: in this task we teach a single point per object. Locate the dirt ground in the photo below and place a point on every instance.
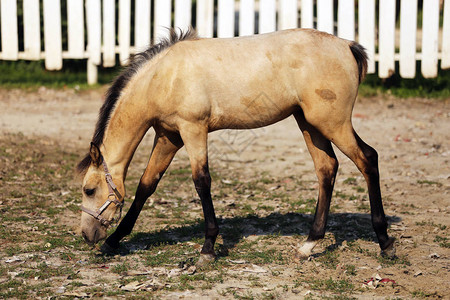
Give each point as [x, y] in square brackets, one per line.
[264, 190]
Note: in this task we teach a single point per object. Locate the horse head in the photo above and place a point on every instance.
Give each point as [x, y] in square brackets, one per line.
[101, 197]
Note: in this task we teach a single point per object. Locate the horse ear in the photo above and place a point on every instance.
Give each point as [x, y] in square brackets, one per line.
[96, 155]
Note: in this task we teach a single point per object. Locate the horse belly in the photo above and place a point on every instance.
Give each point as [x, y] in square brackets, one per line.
[251, 112]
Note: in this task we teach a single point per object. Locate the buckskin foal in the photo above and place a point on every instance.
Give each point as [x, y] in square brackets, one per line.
[185, 87]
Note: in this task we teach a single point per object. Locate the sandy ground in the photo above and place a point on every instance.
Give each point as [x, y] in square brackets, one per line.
[411, 136]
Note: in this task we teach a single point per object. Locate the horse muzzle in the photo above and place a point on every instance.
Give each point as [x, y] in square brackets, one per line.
[94, 234]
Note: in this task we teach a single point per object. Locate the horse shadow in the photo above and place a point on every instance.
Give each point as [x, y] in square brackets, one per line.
[344, 226]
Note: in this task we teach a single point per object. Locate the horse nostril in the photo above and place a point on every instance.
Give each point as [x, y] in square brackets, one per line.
[85, 236]
[96, 236]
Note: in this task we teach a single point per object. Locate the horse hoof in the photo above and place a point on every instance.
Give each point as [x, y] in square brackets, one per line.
[299, 255]
[205, 259]
[389, 251]
[107, 249]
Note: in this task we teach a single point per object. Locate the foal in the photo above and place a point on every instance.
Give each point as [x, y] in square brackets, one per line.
[185, 87]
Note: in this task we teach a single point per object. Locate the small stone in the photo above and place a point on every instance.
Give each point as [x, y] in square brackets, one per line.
[434, 255]
[131, 287]
[238, 262]
[255, 269]
[191, 270]
[174, 272]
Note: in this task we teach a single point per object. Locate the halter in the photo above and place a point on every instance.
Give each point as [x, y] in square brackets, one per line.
[113, 197]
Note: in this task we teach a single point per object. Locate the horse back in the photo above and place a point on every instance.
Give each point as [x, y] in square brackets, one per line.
[253, 81]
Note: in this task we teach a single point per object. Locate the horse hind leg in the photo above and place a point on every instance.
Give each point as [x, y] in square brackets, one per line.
[326, 166]
[366, 159]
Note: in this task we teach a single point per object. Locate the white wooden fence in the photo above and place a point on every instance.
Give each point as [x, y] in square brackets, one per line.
[373, 23]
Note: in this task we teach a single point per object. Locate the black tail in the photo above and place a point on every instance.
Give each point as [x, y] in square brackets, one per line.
[359, 52]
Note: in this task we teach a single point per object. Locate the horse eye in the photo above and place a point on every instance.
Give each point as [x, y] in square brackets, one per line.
[89, 192]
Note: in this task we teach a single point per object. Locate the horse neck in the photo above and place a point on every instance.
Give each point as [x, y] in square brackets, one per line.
[127, 126]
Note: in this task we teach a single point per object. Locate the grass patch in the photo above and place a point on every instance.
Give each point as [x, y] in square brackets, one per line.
[419, 86]
[331, 285]
[32, 74]
[443, 241]
[431, 223]
[350, 270]
[429, 182]
[121, 268]
[330, 259]
[422, 294]
[350, 181]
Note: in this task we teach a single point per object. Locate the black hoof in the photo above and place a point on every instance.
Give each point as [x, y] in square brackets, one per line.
[205, 260]
[389, 250]
[107, 249]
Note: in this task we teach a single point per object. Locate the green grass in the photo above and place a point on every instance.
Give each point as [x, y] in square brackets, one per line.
[422, 294]
[443, 241]
[407, 88]
[121, 268]
[330, 259]
[431, 223]
[336, 286]
[429, 182]
[350, 270]
[350, 181]
[32, 74]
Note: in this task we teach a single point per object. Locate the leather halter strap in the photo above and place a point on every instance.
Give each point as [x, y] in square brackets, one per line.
[113, 197]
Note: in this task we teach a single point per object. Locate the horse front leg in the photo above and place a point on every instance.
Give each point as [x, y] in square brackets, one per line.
[326, 166]
[195, 139]
[164, 149]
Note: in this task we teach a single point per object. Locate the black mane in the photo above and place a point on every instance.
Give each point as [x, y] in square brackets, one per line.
[113, 93]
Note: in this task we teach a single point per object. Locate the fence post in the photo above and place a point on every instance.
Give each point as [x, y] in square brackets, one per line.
[109, 33]
[346, 19]
[306, 14]
[52, 35]
[408, 31]
[32, 29]
[267, 16]
[445, 63]
[205, 18]
[92, 72]
[430, 31]
[386, 64]
[10, 40]
[142, 34]
[325, 20]
[288, 14]
[75, 27]
[124, 31]
[366, 30]
[183, 14]
[163, 18]
[225, 18]
[94, 35]
[247, 17]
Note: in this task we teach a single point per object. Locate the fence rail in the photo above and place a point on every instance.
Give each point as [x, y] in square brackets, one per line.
[391, 30]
